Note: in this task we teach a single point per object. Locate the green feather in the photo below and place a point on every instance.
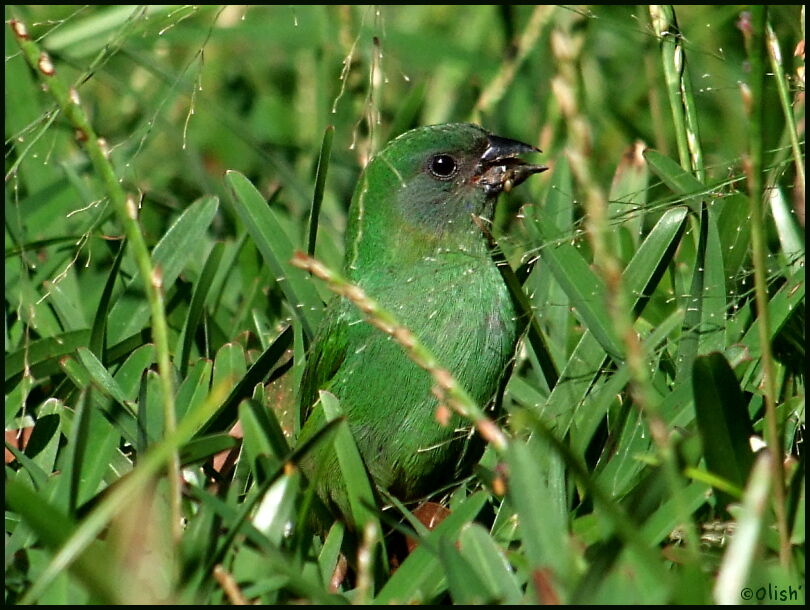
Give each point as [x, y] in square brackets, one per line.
[412, 245]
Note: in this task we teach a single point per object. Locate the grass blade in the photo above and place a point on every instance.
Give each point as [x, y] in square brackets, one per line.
[277, 251]
[195, 309]
[722, 419]
[97, 343]
[320, 182]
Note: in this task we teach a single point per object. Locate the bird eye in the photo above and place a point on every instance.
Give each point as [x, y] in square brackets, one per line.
[443, 167]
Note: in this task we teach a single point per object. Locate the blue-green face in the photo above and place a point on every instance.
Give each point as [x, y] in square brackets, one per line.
[436, 169]
[442, 174]
[420, 193]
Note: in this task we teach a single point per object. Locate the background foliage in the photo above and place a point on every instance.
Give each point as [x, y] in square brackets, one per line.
[628, 475]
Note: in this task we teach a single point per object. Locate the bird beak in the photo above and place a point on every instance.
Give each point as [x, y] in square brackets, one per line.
[500, 169]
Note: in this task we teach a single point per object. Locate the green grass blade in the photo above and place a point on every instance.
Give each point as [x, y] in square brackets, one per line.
[78, 448]
[585, 290]
[679, 180]
[463, 581]
[276, 249]
[537, 492]
[534, 333]
[358, 487]
[195, 308]
[53, 529]
[81, 537]
[626, 203]
[722, 419]
[640, 279]
[41, 357]
[320, 183]
[227, 413]
[490, 563]
[120, 414]
[205, 447]
[102, 378]
[419, 578]
[97, 343]
[170, 256]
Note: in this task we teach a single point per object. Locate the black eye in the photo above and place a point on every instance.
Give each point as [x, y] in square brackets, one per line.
[443, 167]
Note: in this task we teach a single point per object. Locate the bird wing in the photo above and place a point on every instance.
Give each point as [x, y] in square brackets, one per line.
[327, 353]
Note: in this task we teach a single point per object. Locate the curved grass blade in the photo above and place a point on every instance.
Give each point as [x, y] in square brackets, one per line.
[203, 448]
[419, 578]
[320, 182]
[640, 278]
[195, 308]
[39, 477]
[226, 414]
[276, 249]
[723, 422]
[54, 529]
[170, 255]
[41, 357]
[358, 487]
[97, 333]
[584, 289]
[681, 181]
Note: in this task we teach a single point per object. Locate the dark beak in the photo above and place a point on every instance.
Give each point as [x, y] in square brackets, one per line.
[500, 169]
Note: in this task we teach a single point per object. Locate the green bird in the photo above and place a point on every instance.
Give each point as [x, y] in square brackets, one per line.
[415, 245]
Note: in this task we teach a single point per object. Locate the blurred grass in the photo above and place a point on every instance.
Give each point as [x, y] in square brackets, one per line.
[578, 509]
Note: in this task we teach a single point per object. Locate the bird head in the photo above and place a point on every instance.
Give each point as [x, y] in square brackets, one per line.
[424, 188]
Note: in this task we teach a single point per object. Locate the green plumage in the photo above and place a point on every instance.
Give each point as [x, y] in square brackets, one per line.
[413, 246]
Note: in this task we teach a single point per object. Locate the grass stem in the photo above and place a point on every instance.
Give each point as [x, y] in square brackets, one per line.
[127, 211]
